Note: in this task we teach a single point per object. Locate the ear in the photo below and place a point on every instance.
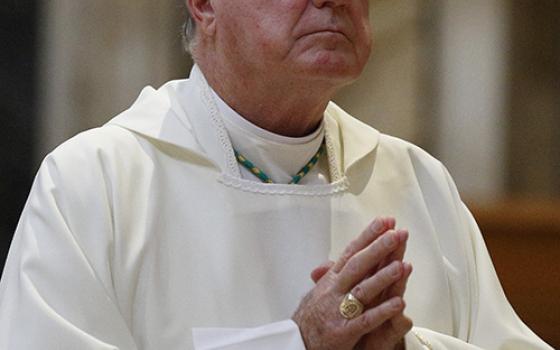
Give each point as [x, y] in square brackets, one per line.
[203, 13]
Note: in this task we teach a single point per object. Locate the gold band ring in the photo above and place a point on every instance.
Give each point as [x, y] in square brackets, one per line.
[350, 307]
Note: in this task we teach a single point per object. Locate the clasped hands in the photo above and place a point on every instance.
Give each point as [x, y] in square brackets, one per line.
[372, 270]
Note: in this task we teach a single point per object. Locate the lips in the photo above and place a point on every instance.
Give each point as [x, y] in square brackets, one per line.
[326, 31]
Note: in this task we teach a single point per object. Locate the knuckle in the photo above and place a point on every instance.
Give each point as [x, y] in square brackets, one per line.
[352, 267]
[365, 321]
[393, 271]
[383, 245]
[347, 254]
[378, 225]
[385, 278]
[386, 311]
[392, 306]
[407, 324]
[339, 332]
[402, 325]
[330, 292]
[358, 292]
[376, 316]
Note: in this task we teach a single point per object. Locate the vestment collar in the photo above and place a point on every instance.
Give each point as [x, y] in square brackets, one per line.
[184, 114]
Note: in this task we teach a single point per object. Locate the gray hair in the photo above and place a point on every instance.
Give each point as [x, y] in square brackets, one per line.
[189, 32]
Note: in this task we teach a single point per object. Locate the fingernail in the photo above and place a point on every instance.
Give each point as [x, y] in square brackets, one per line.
[390, 239]
[407, 266]
[377, 224]
[404, 233]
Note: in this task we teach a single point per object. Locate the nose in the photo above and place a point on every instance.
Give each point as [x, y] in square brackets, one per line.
[329, 3]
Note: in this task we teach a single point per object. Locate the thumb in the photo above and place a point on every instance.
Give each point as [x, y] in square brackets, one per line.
[321, 270]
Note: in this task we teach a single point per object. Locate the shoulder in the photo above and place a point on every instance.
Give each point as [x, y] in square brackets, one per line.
[421, 170]
[428, 172]
[81, 172]
[362, 137]
[400, 150]
[95, 143]
[153, 126]
[393, 157]
[92, 155]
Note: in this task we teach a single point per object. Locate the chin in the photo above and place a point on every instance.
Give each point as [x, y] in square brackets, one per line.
[333, 67]
[330, 59]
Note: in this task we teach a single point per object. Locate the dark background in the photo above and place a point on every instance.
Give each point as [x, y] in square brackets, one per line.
[18, 76]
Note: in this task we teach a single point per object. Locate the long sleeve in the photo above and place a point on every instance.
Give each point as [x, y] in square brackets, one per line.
[493, 324]
[55, 291]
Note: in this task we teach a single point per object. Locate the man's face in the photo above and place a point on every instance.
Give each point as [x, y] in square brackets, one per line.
[309, 39]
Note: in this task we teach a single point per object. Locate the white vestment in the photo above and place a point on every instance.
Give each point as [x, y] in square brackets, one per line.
[142, 234]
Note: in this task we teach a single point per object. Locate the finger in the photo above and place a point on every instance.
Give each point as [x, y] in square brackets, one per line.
[373, 230]
[321, 270]
[360, 265]
[400, 325]
[396, 289]
[368, 290]
[396, 255]
[375, 317]
[399, 287]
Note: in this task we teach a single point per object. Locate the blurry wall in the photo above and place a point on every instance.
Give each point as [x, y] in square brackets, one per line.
[389, 94]
[96, 57]
[534, 109]
[438, 78]
[472, 94]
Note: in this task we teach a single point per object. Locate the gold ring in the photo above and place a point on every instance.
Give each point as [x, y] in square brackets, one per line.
[350, 307]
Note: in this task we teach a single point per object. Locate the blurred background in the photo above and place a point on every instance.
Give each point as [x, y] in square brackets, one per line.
[476, 83]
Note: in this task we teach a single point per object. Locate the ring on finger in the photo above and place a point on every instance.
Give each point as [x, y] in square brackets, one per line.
[350, 307]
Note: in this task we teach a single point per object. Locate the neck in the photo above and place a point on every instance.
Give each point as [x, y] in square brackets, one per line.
[288, 108]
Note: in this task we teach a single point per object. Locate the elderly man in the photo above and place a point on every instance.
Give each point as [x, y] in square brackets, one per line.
[193, 219]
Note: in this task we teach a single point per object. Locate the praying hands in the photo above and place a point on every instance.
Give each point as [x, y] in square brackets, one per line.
[357, 302]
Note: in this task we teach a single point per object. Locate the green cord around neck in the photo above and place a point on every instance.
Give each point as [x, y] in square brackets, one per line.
[266, 179]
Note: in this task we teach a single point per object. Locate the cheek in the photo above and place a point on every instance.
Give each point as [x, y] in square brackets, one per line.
[364, 34]
[273, 36]
[295, 7]
[367, 40]
[361, 15]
